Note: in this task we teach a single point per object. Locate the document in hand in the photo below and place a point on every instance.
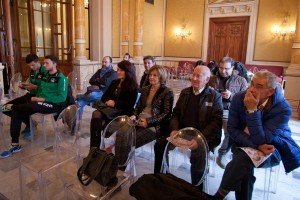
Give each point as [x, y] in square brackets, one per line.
[256, 156]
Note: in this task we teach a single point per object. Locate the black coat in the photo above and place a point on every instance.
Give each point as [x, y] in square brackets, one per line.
[161, 105]
[125, 101]
[210, 114]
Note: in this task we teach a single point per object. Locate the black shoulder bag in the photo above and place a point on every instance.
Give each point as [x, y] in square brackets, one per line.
[99, 166]
[109, 112]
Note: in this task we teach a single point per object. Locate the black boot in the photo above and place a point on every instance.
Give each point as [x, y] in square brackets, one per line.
[96, 126]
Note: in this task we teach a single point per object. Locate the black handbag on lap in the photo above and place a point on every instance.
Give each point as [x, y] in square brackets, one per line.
[109, 112]
[99, 166]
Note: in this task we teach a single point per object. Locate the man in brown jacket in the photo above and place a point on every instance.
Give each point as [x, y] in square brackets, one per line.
[228, 84]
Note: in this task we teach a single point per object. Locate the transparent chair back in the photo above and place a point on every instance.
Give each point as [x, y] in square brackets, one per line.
[69, 118]
[73, 77]
[15, 82]
[118, 138]
[84, 83]
[50, 169]
[187, 164]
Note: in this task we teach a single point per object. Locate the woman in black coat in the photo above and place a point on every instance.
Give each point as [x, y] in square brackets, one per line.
[121, 94]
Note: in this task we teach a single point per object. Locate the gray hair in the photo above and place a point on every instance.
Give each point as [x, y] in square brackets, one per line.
[271, 78]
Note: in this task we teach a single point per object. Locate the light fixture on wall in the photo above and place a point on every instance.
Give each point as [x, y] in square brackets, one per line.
[182, 31]
[284, 30]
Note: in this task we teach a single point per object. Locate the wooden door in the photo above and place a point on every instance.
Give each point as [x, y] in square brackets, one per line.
[228, 36]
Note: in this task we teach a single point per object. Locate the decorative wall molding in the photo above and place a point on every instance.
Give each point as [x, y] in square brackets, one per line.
[226, 1]
[230, 9]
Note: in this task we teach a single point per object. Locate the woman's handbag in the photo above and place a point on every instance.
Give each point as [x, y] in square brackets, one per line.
[109, 112]
[99, 166]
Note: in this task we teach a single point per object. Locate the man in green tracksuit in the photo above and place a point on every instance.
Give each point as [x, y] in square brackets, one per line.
[50, 97]
[36, 74]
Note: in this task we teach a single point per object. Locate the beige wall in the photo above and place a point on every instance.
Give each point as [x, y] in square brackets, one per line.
[192, 11]
[153, 28]
[267, 47]
[116, 28]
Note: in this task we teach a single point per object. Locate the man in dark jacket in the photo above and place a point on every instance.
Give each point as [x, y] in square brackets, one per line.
[200, 107]
[258, 118]
[228, 84]
[100, 81]
[149, 61]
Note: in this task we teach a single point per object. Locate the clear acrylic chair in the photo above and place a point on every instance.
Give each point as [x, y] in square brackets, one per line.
[14, 90]
[187, 164]
[73, 78]
[84, 84]
[212, 165]
[45, 173]
[118, 137]
[268, 177]
[270, 182]
[40, 118]
[4, 145]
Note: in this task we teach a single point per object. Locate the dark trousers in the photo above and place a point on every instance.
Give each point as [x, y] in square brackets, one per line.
[21, 113]
[159, 148]
[20, 100]
[97, 125]
[239, 173]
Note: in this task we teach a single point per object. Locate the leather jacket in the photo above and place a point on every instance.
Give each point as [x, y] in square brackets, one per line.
[161, 105]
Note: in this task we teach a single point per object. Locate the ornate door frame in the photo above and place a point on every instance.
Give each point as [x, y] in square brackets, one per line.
[222, 8]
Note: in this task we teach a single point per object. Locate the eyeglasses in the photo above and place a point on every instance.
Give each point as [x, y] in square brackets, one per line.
[258, 87]
[226, 69]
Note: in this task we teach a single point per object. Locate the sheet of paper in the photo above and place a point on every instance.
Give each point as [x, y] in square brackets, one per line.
[256, 156]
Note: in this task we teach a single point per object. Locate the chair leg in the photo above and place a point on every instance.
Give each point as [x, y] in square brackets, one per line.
[271, 180]
[212, 169]
[1, 132]
[32, 128]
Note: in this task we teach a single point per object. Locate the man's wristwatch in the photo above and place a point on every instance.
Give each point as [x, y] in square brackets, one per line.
[251, 111]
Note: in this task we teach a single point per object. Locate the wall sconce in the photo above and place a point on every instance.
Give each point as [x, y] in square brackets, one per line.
[284, 30]
[182, 32]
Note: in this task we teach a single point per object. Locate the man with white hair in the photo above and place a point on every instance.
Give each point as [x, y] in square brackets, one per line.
[200, 107]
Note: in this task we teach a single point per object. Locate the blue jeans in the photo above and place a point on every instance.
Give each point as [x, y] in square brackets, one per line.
[84, 99]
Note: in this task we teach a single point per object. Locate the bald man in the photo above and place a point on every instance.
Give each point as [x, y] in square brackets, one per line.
[200, 107]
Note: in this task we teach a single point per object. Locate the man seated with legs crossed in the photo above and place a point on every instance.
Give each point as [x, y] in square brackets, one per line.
[100, 82]
[258, 118]
[51, 95]
[36, 74]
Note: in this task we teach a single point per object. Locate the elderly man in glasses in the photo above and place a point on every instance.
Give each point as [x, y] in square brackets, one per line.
[228, 84]
[258, 118]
